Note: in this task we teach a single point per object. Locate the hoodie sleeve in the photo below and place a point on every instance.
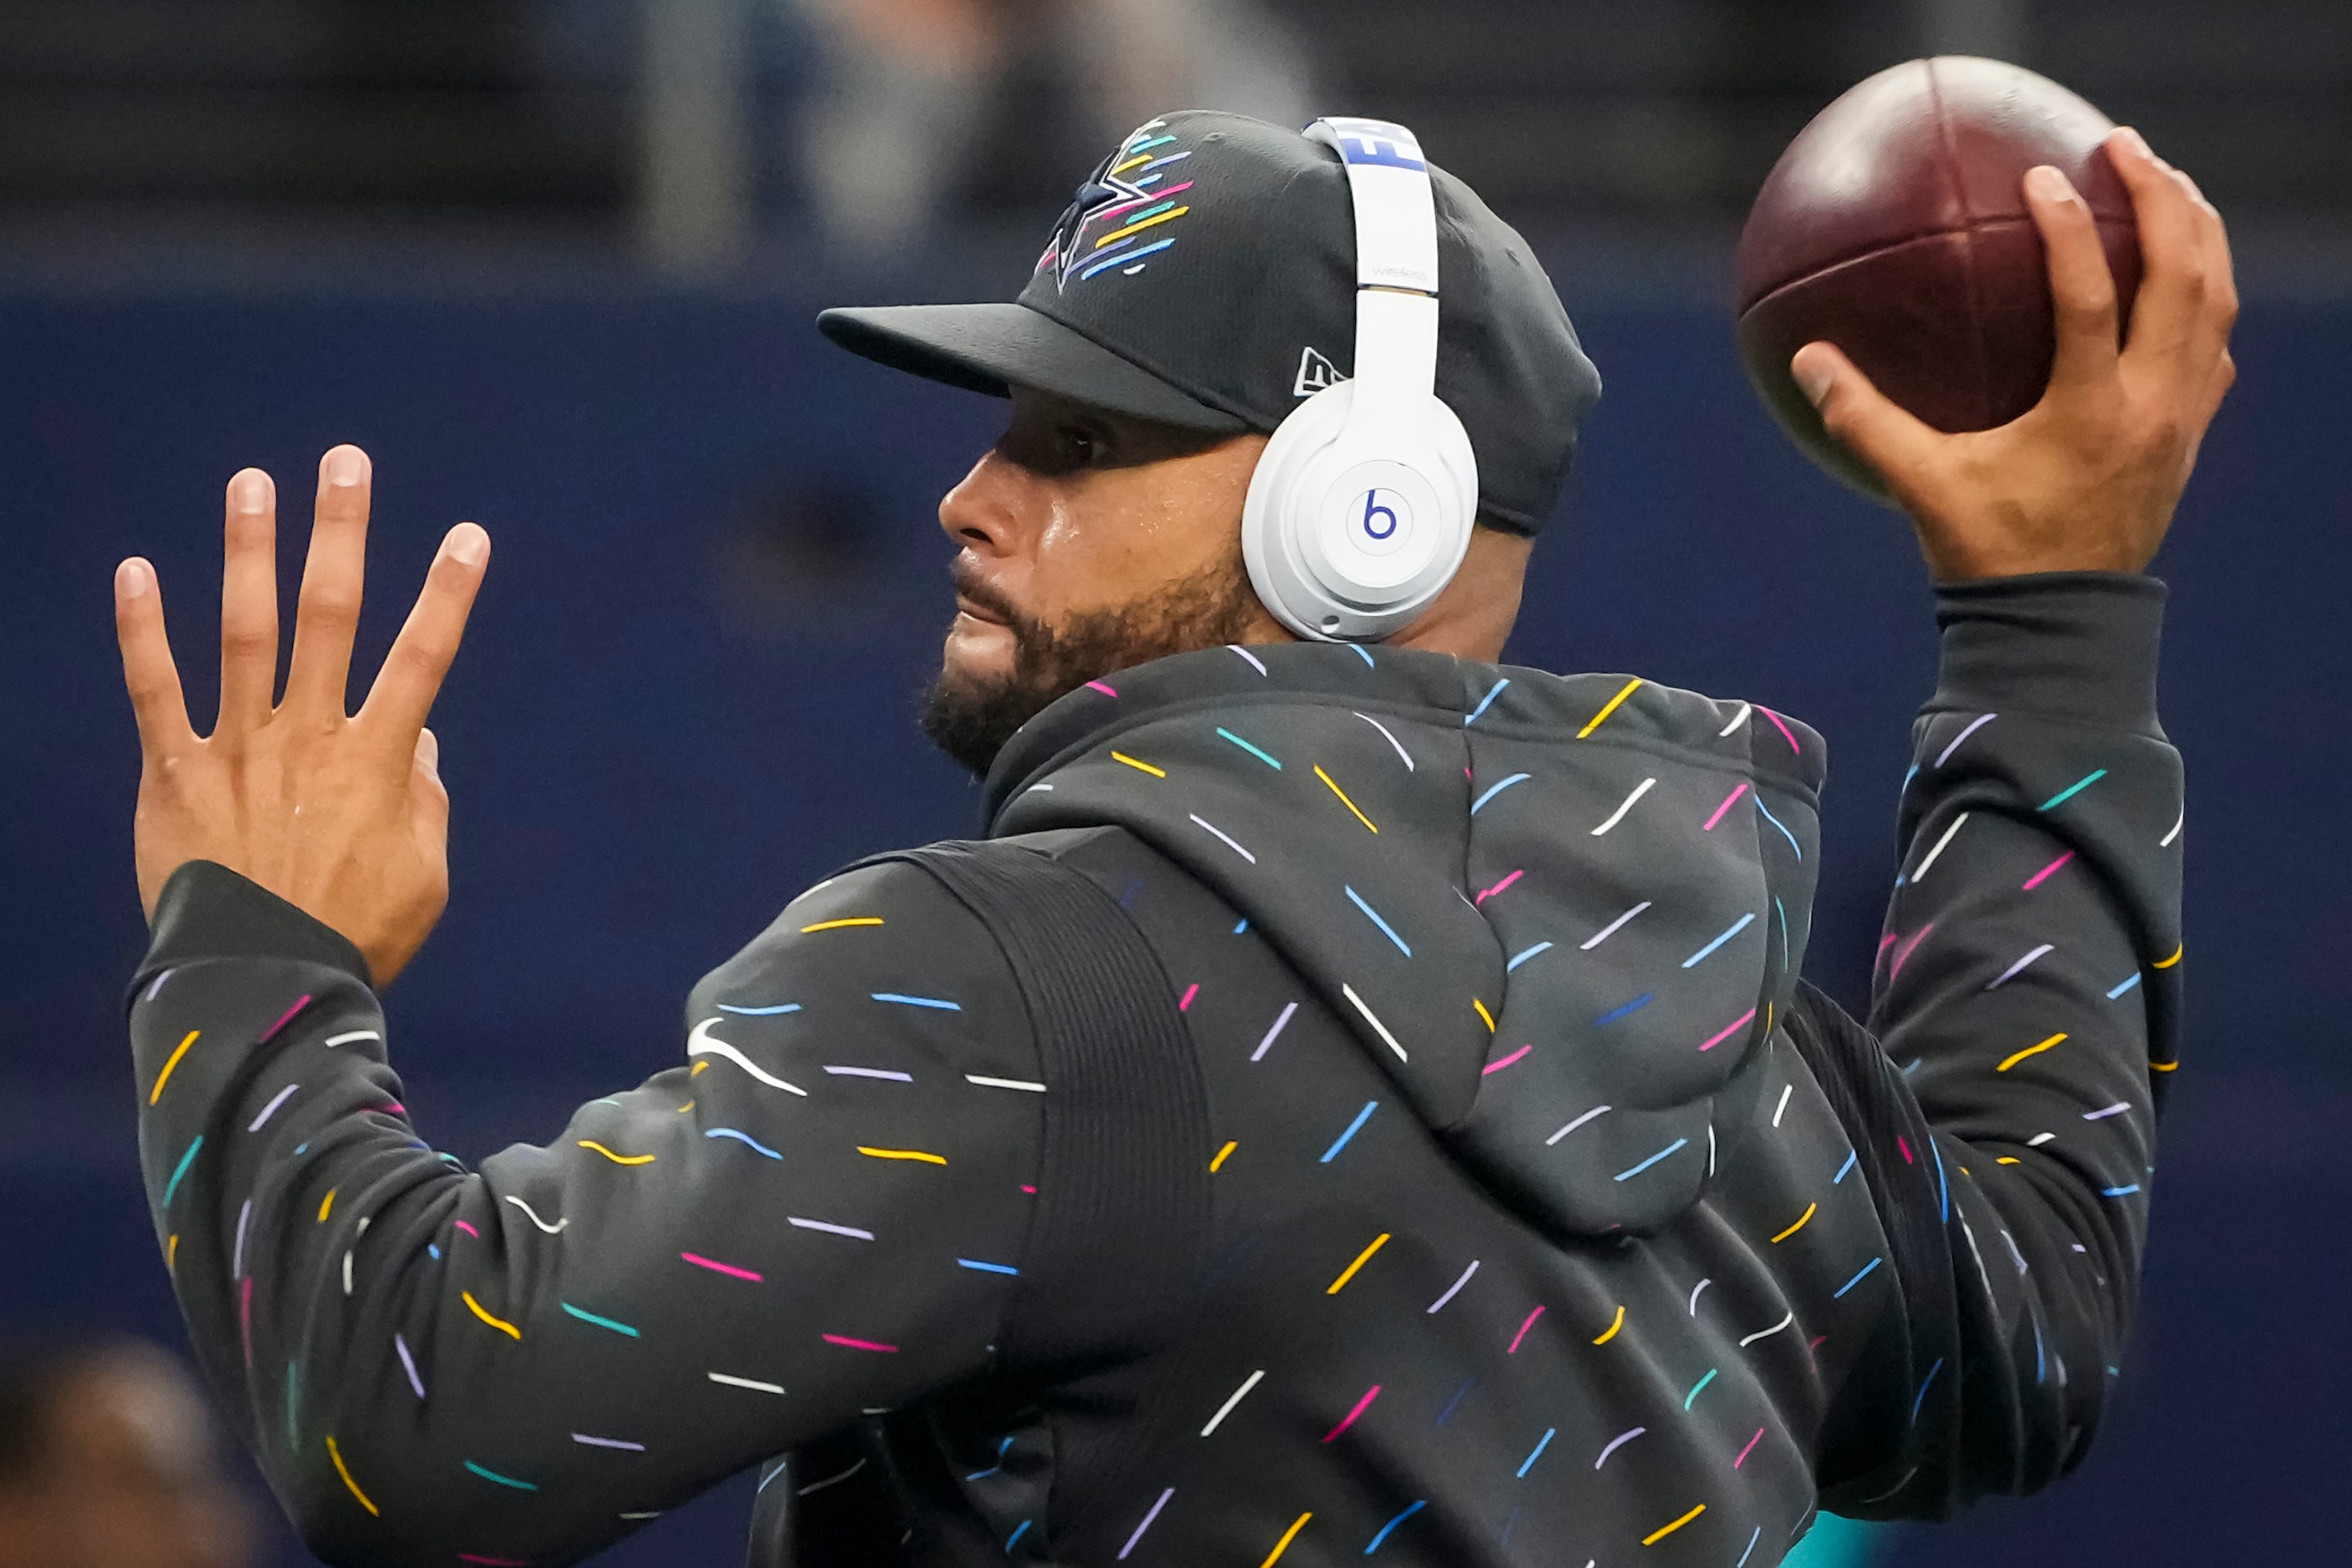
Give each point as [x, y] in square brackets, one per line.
[2028, 998]
[821, 1213]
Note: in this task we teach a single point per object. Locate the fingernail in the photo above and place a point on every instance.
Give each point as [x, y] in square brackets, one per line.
[2139, 144]
[468, 544]
[344, 465]
[1814, 378]
[2050, 183]
[429, 751]
[250, 491]
[133, 578]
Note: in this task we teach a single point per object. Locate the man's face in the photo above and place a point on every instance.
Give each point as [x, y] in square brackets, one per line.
[1091, 542]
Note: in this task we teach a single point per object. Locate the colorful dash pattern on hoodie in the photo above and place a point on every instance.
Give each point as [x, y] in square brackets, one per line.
[1534, 1237]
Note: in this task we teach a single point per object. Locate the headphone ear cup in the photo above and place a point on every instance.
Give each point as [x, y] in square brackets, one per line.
[1348, 533]
[1269, 529]
[1452, 467]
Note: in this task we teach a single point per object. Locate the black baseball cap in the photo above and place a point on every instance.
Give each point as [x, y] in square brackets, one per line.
[1204, 277]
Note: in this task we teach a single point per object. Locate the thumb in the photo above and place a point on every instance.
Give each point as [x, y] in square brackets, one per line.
[1875, 427]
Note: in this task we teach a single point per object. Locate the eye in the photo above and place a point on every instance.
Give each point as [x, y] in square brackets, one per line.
[1078, 446]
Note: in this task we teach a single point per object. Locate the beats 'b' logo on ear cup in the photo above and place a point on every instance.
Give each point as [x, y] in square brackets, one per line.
[1374, 545]
[1383, 516]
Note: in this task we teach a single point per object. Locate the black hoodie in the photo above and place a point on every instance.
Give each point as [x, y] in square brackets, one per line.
[1543, 1214]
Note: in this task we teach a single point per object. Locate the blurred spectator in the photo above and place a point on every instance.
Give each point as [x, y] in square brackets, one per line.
[900, 94]
[916, 101]
[1142, 57]
[106, 1461]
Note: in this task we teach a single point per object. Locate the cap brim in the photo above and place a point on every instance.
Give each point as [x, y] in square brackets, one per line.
[993, 348]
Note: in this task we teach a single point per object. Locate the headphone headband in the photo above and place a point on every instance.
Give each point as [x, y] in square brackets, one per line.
[1396, 268]
[1396, 215]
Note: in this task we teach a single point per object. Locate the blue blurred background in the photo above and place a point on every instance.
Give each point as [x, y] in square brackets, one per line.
[554, 266]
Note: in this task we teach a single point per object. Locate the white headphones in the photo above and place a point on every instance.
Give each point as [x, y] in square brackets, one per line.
[1360, 508]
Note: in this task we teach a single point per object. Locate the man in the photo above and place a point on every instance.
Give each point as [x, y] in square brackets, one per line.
[1459, 1174]
[105, 1461]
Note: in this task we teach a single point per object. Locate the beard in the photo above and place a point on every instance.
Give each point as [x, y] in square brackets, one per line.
[972, 717]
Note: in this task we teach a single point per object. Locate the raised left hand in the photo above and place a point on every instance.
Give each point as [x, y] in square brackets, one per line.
[340, 814]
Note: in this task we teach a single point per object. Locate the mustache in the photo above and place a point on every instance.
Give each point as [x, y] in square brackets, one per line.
[969, 583]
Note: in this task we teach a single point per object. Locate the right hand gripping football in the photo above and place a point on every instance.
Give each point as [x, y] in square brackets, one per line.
[2088, 479]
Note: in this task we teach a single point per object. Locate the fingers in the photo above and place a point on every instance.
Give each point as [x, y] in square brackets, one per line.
[1877, 429]
[2220, 314]
[328, 613]
[427, 644]
[2082, 288]
[249, 604]
[2170, 318]
[147, 668]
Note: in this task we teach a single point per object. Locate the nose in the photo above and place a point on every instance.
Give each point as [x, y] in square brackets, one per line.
[982, 513]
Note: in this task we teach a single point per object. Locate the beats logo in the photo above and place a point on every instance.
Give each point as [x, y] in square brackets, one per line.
[1380, 515]
[1376, 535]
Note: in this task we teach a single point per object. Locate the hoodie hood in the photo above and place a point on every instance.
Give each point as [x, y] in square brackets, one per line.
[1562, 912]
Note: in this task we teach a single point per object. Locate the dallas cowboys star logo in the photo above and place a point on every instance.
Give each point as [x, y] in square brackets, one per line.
[1106, 223]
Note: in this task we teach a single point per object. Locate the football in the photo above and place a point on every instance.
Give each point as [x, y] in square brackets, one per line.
[1895, 227]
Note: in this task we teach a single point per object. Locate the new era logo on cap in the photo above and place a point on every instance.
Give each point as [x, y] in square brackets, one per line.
[1316, 374]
